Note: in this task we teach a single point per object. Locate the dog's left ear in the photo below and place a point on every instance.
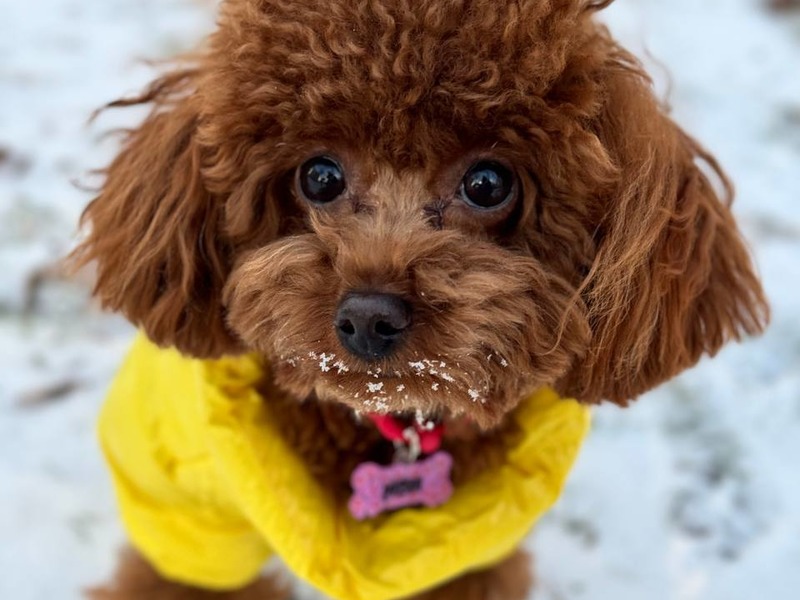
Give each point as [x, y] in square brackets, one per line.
[156, 233]
[672, 279]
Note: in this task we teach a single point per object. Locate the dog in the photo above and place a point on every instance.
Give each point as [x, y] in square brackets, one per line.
[360, 237]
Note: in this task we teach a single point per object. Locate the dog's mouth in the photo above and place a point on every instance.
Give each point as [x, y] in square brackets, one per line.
[431, 389]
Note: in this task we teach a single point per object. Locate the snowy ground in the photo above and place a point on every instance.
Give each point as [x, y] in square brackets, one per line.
[692, 494]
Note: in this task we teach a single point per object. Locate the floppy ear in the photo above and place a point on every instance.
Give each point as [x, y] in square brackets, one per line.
[156, 232]
[672, 279]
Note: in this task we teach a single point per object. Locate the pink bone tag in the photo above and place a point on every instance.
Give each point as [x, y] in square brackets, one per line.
[378, 488]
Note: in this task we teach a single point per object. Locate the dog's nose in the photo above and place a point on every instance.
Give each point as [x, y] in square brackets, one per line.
[370, 326]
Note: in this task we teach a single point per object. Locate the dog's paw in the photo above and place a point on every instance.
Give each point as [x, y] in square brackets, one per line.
[136, 579]
[509, 580]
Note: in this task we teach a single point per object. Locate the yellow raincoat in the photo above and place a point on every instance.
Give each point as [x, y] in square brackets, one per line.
[208, 489]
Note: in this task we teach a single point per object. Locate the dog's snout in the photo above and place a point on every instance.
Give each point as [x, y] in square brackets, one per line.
[370, 326]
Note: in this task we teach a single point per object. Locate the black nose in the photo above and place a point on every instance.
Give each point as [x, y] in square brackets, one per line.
[370, 326]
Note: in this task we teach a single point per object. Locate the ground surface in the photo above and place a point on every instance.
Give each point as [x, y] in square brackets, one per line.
[692, 494]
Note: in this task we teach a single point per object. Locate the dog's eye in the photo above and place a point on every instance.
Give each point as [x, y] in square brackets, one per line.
[321, 179]
[487, 184]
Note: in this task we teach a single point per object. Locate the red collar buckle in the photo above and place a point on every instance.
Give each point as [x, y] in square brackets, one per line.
[393, 429]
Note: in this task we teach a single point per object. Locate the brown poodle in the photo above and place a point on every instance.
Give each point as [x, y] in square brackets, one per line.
[491, 181]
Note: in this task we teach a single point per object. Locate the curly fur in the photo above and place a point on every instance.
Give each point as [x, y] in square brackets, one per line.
[618, 267]
[137, 580]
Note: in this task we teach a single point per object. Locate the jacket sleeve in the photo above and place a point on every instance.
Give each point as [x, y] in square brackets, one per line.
[172, 502]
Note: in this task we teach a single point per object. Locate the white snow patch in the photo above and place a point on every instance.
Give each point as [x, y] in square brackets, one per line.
[341, 367]
[375, 387]
[324, 362]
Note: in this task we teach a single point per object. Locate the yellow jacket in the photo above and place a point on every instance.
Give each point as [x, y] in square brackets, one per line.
[208, 489]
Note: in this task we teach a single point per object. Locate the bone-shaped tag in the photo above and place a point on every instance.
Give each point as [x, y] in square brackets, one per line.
[378, 489]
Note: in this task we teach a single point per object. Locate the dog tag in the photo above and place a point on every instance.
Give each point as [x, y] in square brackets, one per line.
[378, 488]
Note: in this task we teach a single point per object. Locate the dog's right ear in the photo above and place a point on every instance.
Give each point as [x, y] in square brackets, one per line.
[672, 279]
[155, 230]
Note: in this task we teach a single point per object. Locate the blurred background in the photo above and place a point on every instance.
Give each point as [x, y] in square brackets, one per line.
[693, 493]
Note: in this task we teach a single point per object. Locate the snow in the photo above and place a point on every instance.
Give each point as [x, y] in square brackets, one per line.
[693, 493]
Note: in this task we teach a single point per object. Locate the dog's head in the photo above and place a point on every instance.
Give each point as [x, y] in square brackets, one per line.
[422, 204]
